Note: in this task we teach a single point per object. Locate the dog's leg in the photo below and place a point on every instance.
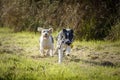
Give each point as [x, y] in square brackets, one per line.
[47, 53]
[51, 52]
[55, 51]
[41, 52]
[68, 49]
[60, 55]
[57, 48]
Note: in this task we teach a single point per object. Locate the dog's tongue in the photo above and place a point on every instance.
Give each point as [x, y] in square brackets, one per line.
[45, 37]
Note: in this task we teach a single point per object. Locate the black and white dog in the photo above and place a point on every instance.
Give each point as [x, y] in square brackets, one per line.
[64, 41]
[46, 41]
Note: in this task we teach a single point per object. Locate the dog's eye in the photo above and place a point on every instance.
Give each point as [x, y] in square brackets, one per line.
[62, 36]
[43, 31]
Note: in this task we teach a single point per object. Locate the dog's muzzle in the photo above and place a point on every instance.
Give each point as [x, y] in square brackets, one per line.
[68, 42]
[46, 36]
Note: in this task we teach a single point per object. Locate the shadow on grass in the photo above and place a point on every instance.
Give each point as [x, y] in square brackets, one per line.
[100, 63]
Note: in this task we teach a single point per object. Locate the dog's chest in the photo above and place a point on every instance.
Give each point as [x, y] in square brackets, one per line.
[46, 44]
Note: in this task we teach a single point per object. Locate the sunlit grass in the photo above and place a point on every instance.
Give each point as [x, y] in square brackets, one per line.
[99, 45]
[19, 60]
[15, 67]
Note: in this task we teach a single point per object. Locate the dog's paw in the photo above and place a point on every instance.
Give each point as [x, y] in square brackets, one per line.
[42, 55]
[51, 55]
[67, 54]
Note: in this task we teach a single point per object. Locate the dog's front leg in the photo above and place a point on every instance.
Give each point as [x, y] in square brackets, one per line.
[68, 49]
[51, 52]
[48, 51]
[42, 52]
[60, 55]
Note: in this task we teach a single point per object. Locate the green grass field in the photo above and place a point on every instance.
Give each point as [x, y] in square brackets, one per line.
[92, 60]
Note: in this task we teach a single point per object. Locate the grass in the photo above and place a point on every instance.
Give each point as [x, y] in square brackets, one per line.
[20, 60]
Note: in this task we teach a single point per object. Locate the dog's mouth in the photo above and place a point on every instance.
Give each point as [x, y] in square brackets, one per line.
[45, 36]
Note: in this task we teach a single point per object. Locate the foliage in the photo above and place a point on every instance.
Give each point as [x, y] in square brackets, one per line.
[114, 32]
[90, 19]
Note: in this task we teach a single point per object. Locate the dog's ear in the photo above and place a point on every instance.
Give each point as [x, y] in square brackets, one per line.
[39, 29]
[64, 30]
[72, 31]
[50, 30]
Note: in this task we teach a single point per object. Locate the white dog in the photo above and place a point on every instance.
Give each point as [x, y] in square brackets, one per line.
[64, 40]
[46, 41]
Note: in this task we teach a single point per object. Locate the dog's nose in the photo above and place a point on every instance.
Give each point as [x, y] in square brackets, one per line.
[68, 42]
[45, 34]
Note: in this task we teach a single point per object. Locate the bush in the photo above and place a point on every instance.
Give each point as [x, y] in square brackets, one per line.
[90, 19]
[114, 32]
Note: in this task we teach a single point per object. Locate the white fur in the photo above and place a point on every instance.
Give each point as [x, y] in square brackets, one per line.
[61, 46]
[60, 55]
[60, 51]
[68, 49]
[46, 44]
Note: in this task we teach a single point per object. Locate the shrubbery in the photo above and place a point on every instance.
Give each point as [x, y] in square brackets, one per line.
[90, 19]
